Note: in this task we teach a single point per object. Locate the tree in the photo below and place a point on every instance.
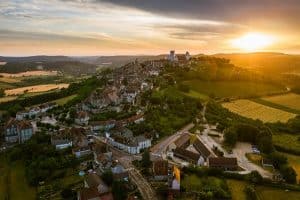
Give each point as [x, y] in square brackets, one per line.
[288, 174]
[255, 177]
[230, 136]
[278, 159]
[265, 144]
[184, 88]
[250, 192]
[146, 162]
[119, 190]
[107, 177]
[68, 194]
[2, 92]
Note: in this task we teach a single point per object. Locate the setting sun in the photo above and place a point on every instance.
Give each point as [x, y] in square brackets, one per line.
[253, 41]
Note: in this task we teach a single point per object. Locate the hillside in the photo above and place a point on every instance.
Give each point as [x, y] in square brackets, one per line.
[265, 62]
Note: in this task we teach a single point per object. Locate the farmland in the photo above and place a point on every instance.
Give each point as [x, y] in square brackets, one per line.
[30, 73]
[197, 95]
[254, 110]
[35, 88]
[263, 192]
[12, 181]
[276, 193]
[65, 100]
[290, 100]
[8, 98]
[232, 88]
[287, 141]
[237, 189]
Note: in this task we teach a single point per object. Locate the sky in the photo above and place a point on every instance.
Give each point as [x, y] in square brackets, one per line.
[127, 27]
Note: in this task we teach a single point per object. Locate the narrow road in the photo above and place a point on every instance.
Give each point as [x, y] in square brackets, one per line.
[239, 151]
[135, 176]
[161, 146]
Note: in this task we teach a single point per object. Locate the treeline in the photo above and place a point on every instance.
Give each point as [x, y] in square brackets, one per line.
[82, 89]
[69, 67]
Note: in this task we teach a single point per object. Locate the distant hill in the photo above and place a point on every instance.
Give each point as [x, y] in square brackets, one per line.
[265, 62]
[68, 67]
[71, 65]
[117, 61]
[40, 58]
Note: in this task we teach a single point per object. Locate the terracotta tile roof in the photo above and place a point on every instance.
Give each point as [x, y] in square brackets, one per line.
[19, 124]
[182, 140]
[201, 148]
[187, 155]
[82, 114]
[160, 168]
[102, 123]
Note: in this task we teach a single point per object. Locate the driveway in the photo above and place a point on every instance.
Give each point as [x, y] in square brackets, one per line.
[240, 151]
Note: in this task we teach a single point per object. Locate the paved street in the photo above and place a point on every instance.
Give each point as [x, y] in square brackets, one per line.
[125, 159]
[161, 146]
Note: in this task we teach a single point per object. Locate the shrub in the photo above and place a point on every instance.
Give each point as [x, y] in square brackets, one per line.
[250, 192]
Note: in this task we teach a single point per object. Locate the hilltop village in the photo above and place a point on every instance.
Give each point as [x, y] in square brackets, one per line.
[133, 136]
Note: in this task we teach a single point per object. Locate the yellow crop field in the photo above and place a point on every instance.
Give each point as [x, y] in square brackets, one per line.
[36, 88]
[254, 110]
[30, 73]
[8, 98]
[290, 100]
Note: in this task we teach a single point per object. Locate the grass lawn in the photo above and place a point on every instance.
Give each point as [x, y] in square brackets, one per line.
[197, 95]
[255, 158]
[294, 161]
[265, 193]
[237, 189]
[64, 100]
[18, 185]
[288, 141]
[232, 88]
[13, 183]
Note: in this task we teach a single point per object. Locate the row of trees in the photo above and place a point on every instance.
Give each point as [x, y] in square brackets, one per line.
[261, 136]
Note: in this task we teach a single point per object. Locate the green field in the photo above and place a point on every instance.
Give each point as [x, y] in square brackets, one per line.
[197, 95]
[268, 193]
[263, 192]
[13, 183]
[64, 100]
[276, 106]
[237, 189]
[232, 88]
[290, 100]
[287, 141]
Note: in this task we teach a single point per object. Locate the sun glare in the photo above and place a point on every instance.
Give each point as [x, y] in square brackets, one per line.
[253, 41]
